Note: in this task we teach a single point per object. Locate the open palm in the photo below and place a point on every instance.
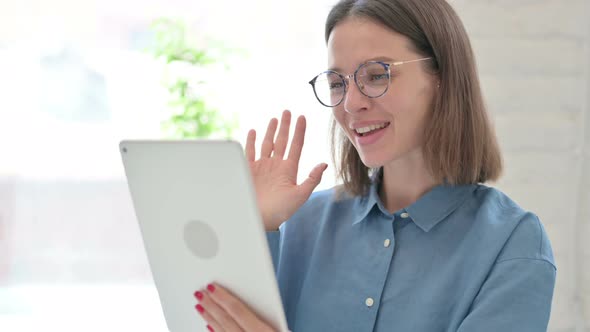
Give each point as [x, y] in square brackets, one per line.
[274, 176]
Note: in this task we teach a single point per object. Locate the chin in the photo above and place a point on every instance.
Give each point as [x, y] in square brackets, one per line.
[373, 162]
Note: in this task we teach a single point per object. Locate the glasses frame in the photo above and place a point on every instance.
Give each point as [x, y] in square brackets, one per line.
[346, 78]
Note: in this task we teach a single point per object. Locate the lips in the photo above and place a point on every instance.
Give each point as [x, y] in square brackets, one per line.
[363, 130]
[369, 133]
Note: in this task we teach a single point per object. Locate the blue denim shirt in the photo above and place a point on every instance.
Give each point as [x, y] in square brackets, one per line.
[461, 258]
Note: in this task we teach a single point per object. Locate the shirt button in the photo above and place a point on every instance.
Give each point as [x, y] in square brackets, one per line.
[387, 243]
[405, 215]
[369, 302]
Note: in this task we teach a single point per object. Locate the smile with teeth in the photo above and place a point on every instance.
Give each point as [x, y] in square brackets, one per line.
[369, 129]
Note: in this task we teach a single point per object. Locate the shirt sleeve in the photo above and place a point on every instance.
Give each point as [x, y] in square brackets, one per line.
[518, 291]
[274, 240]
[516, 297]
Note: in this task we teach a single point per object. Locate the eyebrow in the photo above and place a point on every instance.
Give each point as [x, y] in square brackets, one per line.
[378, 58]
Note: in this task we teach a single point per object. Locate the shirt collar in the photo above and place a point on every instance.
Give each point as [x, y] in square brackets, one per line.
[364, 204]
[426, 212]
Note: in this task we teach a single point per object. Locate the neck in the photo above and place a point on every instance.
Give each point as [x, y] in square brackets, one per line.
[405, 181]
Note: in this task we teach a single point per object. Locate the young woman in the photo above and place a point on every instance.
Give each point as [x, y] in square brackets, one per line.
[412, 241]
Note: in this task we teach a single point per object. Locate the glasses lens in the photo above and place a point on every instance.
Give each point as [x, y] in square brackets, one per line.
[373, 79]
[329, 88]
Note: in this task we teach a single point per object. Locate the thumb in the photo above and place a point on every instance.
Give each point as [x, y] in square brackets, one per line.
[315, 177]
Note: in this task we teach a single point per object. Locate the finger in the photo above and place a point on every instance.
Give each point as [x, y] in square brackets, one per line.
[251, 146]
[298, 138]
[268, 142]
[217, 315]
[283, 135]
[315, 177]
[212, 324]
[239, 312]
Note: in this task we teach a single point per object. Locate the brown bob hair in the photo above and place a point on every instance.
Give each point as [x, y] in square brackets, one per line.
[460, 145]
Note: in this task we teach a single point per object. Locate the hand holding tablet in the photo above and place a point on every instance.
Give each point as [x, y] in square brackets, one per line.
[200, 219]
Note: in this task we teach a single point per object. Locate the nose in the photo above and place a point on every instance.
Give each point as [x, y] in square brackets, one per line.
[354, 100]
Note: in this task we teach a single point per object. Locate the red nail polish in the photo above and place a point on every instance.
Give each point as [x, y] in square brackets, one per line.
[199, 295]
[200, 308]
[210, 328]
[211, 288]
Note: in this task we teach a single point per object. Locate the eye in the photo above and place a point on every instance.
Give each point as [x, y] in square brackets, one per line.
[336, 85]
[380, 77]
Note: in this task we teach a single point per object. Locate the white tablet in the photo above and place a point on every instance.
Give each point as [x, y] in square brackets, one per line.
[196, 207]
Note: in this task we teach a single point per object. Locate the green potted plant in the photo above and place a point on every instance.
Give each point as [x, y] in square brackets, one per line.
[193, 116]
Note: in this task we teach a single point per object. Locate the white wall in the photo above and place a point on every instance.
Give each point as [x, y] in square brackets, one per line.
[534, 60]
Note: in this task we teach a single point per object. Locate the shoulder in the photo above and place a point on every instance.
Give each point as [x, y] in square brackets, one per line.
[323, 201]
[525, 235]
[322, 206]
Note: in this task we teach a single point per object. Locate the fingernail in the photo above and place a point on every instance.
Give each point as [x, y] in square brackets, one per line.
[210, 328]
[200, 308]
[211, 288]
[199, 295]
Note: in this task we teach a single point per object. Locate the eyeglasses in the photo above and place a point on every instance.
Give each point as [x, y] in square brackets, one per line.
[372, 78]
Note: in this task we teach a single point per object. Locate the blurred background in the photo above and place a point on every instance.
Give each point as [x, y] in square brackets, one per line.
[76, 77]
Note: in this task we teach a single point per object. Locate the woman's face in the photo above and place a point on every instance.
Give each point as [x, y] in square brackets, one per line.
[401, 112]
